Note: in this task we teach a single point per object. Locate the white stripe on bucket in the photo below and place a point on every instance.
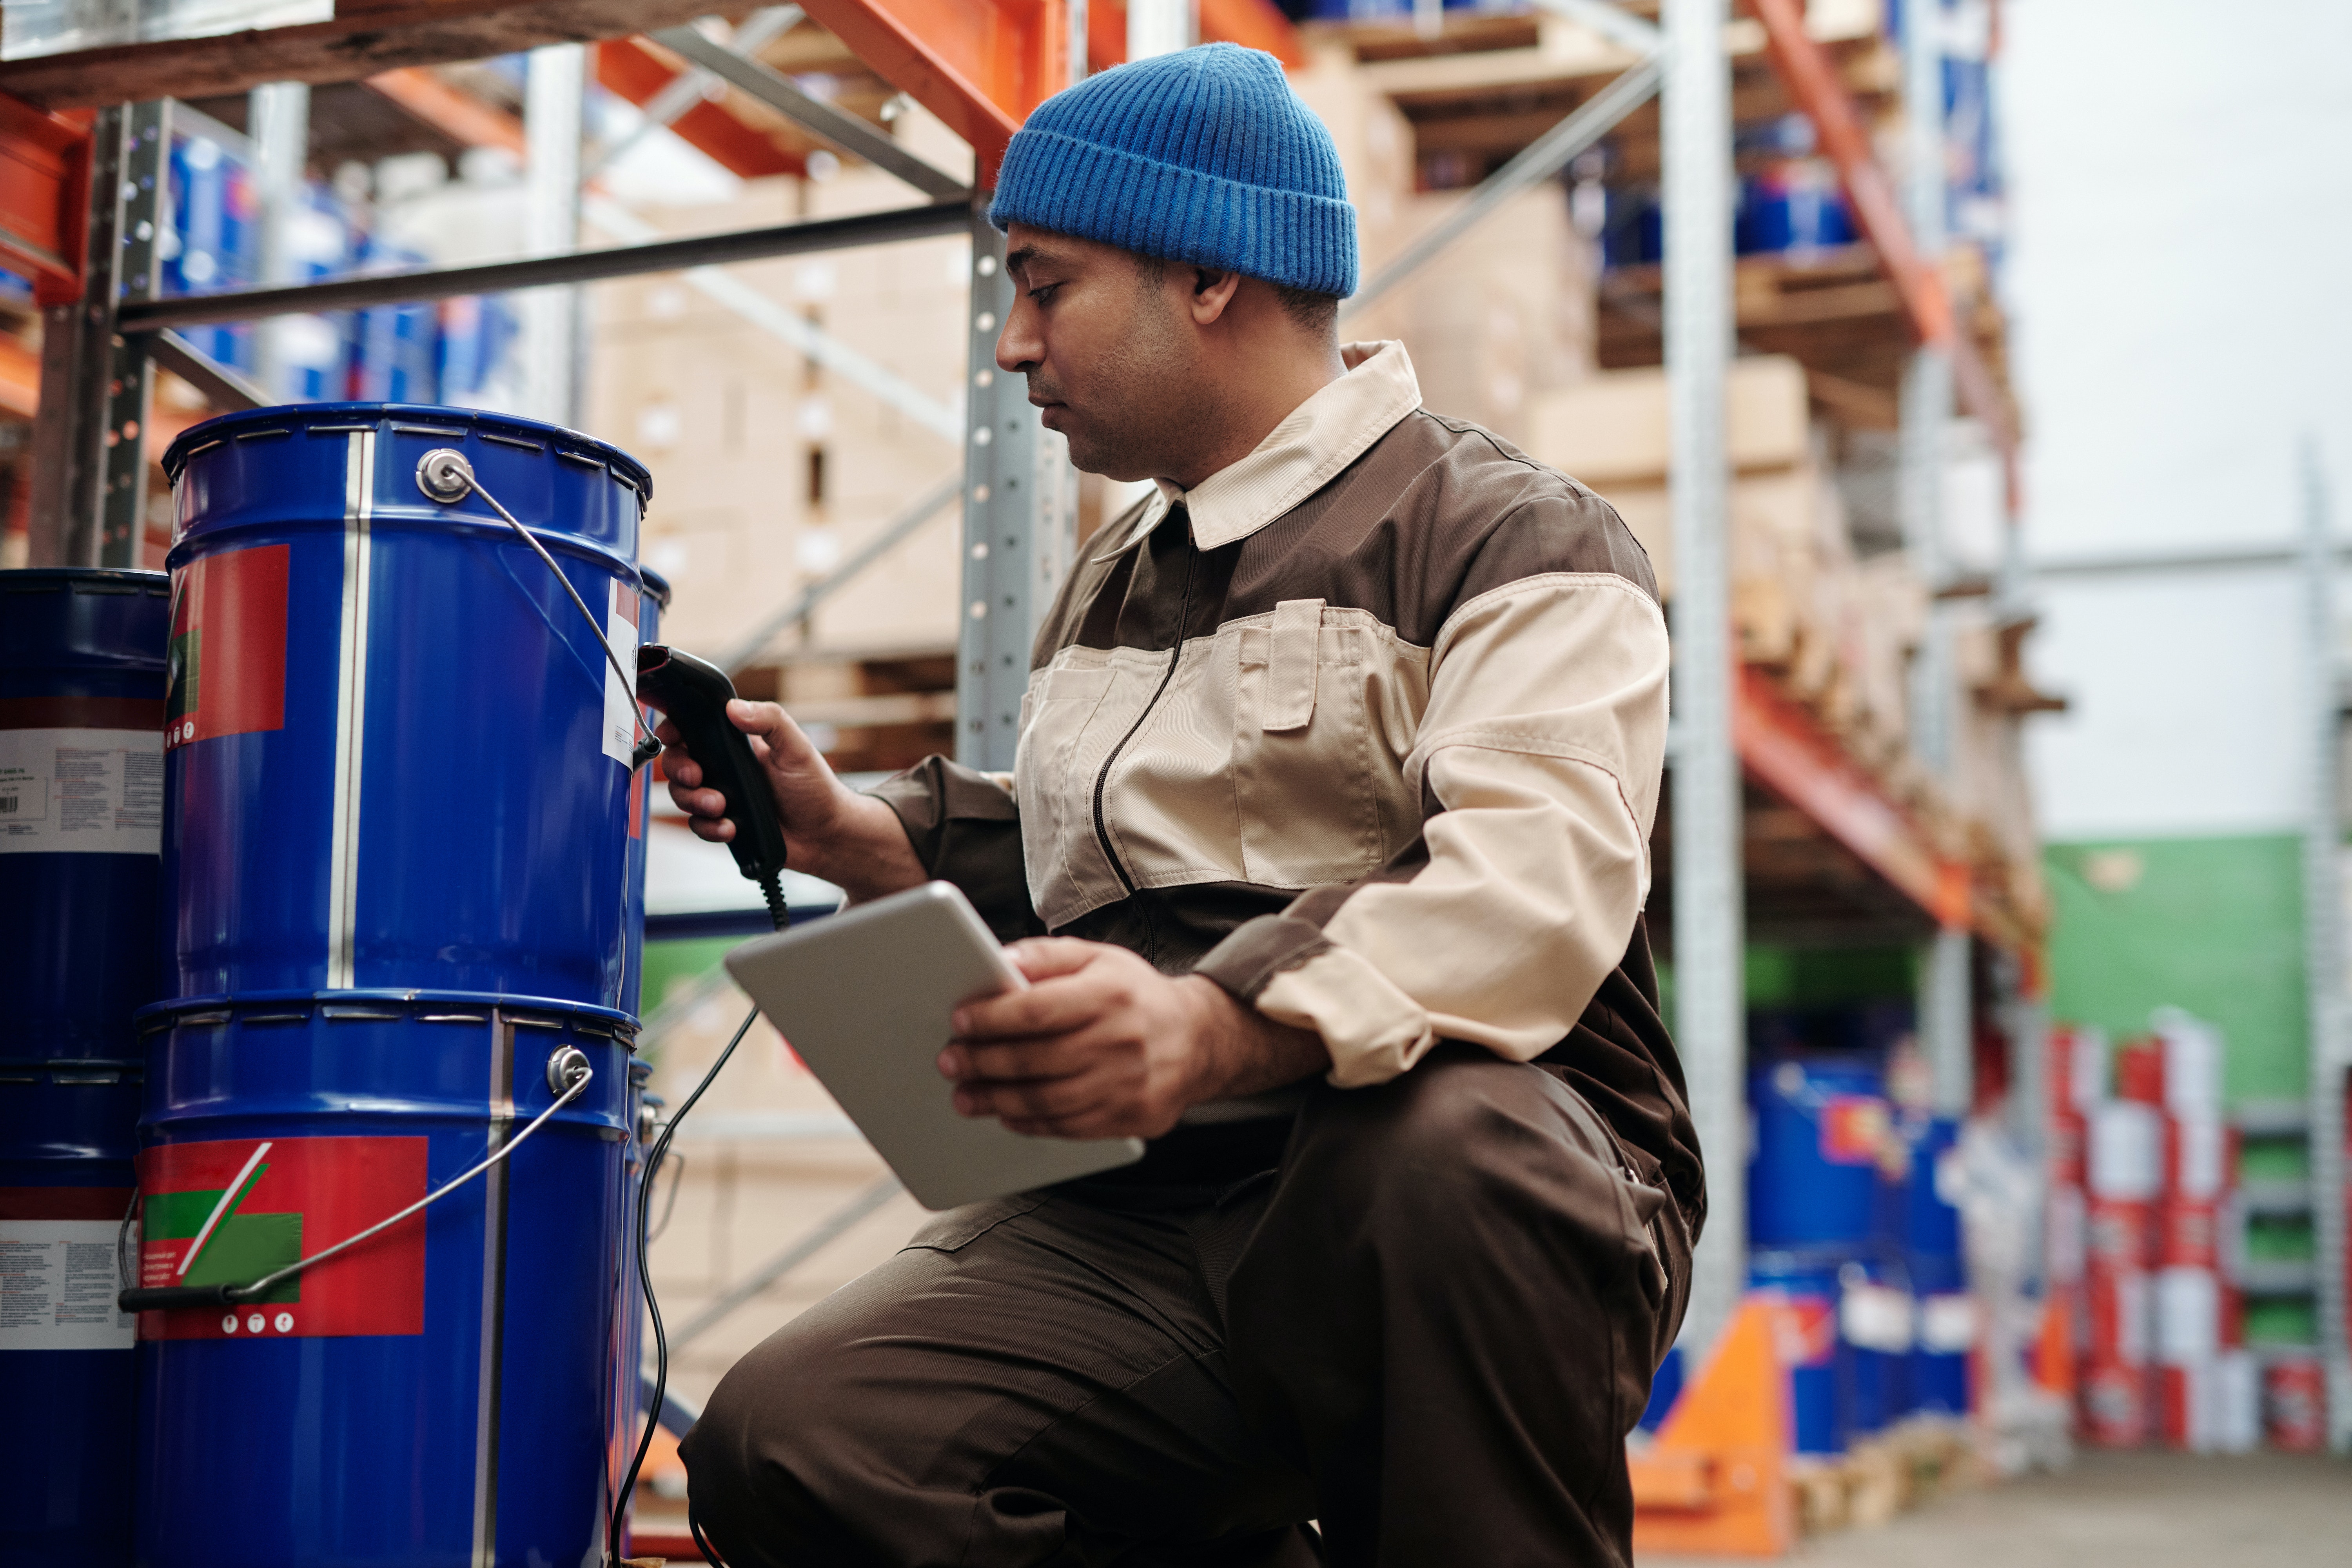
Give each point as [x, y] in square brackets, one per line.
[350, 713]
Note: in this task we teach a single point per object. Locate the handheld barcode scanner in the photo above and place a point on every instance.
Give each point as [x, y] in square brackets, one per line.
[694, 694]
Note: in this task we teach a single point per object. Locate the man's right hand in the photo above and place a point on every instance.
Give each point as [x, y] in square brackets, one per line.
[835, 833]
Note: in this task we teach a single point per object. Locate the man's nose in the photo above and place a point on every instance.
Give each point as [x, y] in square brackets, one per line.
[1020, 347]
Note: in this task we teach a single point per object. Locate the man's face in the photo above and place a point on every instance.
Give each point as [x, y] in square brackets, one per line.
[1111, 358]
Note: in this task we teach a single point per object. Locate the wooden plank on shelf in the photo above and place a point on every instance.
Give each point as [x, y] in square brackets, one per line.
[362, 40]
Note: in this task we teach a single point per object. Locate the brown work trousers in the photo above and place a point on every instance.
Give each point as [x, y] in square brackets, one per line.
[1430, 1330]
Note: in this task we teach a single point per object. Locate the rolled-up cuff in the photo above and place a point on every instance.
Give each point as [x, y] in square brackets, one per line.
[1374, 1030]
[1257, 950]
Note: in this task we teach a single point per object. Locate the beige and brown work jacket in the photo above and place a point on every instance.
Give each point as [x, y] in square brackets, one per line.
[1367, 727]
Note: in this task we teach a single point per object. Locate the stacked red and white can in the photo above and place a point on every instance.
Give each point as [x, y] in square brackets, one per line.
[2075, 1060]
[2206, 1386]
[2124, 1181]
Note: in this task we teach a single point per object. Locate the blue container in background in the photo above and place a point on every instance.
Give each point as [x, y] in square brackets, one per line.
[1665, 1387]
[81, 746]
[476, 332]
[1931, 1242]
[1795, 206]
[1928, 1229]
[214, 240]
[395, 349]
[447, 1393]
[1821, 1126]
[1809, 1282]
[1878, 1322]
[1634, 227]
[396, 755]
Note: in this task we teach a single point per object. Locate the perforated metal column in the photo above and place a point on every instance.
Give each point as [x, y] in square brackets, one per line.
[1020, 512]
[88, 471]
[1710, 1020]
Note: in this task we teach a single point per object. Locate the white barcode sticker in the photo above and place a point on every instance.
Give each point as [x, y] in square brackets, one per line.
[93, 792]
[621, 702]
[57, 1284]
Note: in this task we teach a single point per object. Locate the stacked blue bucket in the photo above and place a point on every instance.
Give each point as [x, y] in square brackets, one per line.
[1848, 1222]
[403, 872]
[81, 808]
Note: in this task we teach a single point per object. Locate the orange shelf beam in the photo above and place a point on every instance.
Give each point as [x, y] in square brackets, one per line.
[44, 197]
[1810, 76]
[1787, 751]
[630, 67]
[982, 65]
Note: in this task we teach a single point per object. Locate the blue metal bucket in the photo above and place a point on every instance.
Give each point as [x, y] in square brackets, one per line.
[1809, 1286]
[446, 1392]
[396, 755]
[1822, 1127]
[1931, 1239]
[81, 742]
[1878, 1325]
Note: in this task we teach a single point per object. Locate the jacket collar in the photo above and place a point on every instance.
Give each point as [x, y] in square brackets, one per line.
[1298, 457]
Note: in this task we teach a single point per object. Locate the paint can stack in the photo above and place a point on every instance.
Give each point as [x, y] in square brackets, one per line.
[1827, 1207]
[1929, 1233]
[81, 810]
[2163, 1357]
[2122, 1180]
[372, 992]
[2204, 1372]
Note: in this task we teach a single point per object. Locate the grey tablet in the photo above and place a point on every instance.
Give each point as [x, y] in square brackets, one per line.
[863, 997]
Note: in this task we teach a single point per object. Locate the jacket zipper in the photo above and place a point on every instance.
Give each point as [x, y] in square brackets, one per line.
[1102, 777]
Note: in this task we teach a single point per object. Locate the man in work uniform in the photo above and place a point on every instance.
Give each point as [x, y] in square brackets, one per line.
[1335, 788]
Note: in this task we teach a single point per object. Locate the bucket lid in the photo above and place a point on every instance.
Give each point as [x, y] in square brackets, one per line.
[625, 467]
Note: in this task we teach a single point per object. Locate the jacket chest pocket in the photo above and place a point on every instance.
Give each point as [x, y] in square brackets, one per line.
[1073, 713]
[1309, 761]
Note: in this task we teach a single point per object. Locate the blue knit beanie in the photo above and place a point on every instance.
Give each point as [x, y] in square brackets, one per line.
[1205, 155]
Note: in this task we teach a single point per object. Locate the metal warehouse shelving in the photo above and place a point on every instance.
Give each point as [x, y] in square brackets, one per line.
[1768, 802]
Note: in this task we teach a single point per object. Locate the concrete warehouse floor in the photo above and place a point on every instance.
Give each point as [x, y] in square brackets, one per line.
[2129, 1510]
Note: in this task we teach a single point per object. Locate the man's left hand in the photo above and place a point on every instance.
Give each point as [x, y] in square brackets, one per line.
[1101, 1044]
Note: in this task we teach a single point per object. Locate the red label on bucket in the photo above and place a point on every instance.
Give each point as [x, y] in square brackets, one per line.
[1854, 1128]
[232, 1212]
[226, 672]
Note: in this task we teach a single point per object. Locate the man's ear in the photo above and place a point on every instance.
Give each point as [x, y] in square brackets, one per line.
[1212, 290]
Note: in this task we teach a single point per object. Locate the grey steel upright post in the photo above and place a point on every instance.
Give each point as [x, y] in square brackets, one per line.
[2324, 966]
[278, 115]
[1710, 1021]
[555, 97]
[1946, 1029]
[1019, 522]
[130, 384]
[88, 435]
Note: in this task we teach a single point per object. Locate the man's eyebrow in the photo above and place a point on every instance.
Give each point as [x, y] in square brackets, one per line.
[1021, 260]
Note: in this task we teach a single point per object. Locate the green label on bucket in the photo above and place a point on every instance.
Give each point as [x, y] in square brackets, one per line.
[229, 1213]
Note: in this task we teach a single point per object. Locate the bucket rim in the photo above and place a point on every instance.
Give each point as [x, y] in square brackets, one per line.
[17, 579]
[157, 1015]
[176, 455]
[194, 540]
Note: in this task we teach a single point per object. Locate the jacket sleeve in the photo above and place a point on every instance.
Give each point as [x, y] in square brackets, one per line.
[1537, 761]
[966, 829]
